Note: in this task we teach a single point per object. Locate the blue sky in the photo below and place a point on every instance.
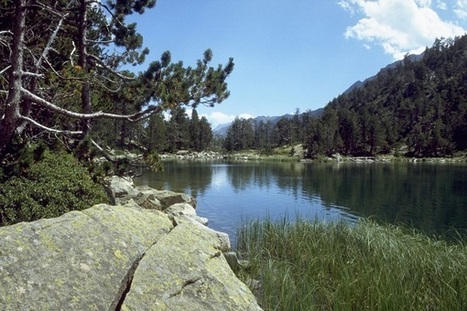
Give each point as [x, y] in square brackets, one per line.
[297, 53]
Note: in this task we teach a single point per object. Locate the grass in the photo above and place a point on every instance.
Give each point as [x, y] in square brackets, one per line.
[317, 266]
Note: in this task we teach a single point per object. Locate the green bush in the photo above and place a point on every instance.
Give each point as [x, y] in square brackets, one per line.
[49, 186]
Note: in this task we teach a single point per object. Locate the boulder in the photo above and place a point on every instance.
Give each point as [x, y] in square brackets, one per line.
[168, 198]
[80, 261]
[121, 190]
[186, 270]
[120, 187]
[222, 237]
[120, 258]
[147, 199]
[185, 209]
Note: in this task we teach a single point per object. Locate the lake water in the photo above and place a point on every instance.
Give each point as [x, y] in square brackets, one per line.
[429, 197]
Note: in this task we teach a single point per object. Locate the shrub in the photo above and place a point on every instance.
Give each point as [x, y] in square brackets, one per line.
[49, 186]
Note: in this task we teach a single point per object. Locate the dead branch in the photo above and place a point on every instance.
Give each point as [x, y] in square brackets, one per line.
[72, 52]
[106, 155]
[41, 126]
[46, 50]
[5, 69]
[101, 63]
[88, 116]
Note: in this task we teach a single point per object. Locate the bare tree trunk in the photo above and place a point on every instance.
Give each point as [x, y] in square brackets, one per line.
[33, 84]
[9, 123]
[83, 63]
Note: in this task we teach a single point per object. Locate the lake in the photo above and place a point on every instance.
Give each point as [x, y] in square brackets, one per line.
[429, 197]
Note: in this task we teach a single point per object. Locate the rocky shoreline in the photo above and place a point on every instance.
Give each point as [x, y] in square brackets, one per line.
[285, 155]
[149, 251]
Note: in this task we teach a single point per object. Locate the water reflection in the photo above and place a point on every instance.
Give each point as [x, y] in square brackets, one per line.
[432, 198]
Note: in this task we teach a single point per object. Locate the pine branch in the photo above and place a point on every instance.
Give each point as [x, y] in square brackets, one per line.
[101, 63]
[87, 116]
[41, 126]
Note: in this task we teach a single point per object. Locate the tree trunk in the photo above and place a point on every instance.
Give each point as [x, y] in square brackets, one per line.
[83, 63]
[11, 117]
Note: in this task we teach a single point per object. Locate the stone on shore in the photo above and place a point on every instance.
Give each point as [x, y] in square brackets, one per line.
[80, 261]
[186, 270]
[122, 257]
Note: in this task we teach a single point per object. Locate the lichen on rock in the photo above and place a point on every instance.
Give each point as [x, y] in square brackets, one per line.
[122, 257]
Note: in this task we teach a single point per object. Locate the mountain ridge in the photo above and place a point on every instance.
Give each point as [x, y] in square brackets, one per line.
[221, 129]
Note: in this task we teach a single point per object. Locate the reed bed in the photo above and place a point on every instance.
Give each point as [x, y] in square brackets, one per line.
[304, 265]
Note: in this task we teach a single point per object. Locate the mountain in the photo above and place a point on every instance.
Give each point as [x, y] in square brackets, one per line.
[416, 106]
[359, 84]
[221, 129]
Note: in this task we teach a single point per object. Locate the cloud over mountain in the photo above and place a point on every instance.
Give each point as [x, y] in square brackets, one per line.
[216, 117]
[404, 26]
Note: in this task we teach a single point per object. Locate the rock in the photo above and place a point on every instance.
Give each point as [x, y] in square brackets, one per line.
[146, 199]
[180, 209]
[79, 261]
[168, 198]
[119, 187]
[122, 190]
[187, 271]
[185, 209]
[222, 237]
[121, 257]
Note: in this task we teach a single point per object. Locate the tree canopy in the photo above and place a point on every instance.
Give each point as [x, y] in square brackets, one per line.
[62, 72]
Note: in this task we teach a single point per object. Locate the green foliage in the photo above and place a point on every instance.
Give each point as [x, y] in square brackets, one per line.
[83, 76]
[153, 161]
[178, 133]
[240, 135]
[419, 102]
[318, 266]
[49, 185]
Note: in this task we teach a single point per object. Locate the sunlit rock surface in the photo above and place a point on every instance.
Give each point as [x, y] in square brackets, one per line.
[121, 257]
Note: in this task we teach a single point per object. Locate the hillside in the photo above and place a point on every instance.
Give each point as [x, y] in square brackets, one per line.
[414, 107]
[417, 106]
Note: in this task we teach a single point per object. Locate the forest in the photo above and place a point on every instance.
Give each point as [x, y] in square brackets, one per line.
[414, 107]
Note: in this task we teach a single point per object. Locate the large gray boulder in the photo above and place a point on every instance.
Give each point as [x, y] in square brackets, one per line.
[119, 258]
[79, 261]
[121, 190]
[186, 270]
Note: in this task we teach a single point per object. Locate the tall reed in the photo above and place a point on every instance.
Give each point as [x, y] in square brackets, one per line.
[305, 265]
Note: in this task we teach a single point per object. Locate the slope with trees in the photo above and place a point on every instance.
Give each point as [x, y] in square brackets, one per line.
[416, 107]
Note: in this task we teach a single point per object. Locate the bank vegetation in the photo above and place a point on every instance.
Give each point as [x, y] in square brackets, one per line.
[305, 265]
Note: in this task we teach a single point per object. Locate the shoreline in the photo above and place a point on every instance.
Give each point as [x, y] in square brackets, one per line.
[337, 158]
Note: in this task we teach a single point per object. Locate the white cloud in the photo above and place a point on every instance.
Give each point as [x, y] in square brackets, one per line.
[400, 26]
[423, 3]
[216, 118]
[461, 9]
[442, 5]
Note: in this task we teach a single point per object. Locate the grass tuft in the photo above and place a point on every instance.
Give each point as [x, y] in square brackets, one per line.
[305, 265]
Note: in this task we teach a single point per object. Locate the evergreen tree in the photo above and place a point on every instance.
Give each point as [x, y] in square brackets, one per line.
[195, 131]
[178, 135]
[156, 133]
[206, 135]
[240, 135]
[64, 91]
